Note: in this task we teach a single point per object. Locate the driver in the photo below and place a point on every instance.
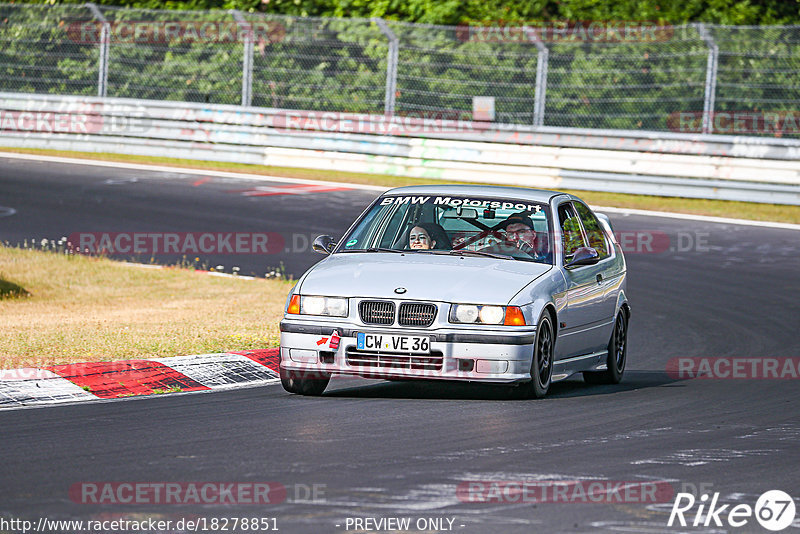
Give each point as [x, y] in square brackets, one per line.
[520, 234]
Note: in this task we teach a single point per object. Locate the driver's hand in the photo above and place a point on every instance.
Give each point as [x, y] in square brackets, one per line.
[527, 249]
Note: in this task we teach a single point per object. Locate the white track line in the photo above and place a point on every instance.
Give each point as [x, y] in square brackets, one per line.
[184, 170]
[262, 177]
[210, 273]
[690, 217]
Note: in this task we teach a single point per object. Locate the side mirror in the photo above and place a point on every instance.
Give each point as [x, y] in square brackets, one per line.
[324, 244]
[583, 256]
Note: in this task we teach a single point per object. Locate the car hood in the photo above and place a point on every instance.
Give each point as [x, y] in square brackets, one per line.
[425, 277]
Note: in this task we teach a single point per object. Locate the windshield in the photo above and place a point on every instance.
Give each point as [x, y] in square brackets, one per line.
[486, 227]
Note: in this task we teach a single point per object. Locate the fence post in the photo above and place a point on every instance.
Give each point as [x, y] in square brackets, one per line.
[542, 63]
[247, 58]
[391, 65]
[105, 38]
[711, 78]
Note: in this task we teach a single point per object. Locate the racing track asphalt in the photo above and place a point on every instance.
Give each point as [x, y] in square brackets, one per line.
[401, 449]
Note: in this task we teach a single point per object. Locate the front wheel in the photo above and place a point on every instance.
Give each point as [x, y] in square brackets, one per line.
[617, 354]
[311, 383]
[541, 362]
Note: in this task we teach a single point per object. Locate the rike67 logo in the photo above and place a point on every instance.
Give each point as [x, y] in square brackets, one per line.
[774, 510]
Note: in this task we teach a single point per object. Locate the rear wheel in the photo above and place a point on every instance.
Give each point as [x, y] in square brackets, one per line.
[617, 354]
[541, 362]
[304, 382]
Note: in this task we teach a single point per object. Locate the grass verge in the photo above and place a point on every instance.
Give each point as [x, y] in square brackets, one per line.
[84, 309]
[718, 208]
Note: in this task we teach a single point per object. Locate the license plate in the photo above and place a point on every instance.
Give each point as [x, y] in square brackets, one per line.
[390, 343]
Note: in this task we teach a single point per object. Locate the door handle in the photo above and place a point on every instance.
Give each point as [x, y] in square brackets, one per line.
[599, 278]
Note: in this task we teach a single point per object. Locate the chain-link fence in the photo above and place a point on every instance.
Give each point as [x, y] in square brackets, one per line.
[37, 54]
[691, 78]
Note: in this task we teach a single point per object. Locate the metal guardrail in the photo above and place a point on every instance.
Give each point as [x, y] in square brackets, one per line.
[697, 166]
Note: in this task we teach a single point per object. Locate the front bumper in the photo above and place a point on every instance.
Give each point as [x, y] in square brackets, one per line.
[474, 355]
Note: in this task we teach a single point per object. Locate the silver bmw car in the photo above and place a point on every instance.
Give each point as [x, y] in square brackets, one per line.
[488, 284]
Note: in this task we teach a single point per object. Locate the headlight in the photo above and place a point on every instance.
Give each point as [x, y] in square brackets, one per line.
[314, 305]
[491, 314]
[476, 314]
[465, 313]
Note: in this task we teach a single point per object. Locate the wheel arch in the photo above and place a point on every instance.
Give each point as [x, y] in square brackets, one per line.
[550, 309]
[622, 302]
[540, 307]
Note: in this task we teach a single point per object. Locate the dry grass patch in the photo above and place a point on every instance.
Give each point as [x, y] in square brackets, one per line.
[83, 309]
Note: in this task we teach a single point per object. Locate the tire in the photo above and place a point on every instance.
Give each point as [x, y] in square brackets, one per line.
[617, 354]
[541, 362]
[311, 383]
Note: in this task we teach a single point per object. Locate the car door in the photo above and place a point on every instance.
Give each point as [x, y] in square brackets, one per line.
[584, 320]
[612, 269]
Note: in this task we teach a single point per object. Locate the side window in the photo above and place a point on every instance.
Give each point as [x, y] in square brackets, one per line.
[594, 231]
[571, 235]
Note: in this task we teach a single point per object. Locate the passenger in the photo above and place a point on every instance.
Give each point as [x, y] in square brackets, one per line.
[425, 236]
[420, 239]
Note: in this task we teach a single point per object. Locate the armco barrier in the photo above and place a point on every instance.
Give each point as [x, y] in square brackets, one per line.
[699, 166]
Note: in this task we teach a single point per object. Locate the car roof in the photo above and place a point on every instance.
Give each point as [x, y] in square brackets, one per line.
[521, 193]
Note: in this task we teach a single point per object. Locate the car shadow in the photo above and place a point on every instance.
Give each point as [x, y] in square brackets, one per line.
[435, 389]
